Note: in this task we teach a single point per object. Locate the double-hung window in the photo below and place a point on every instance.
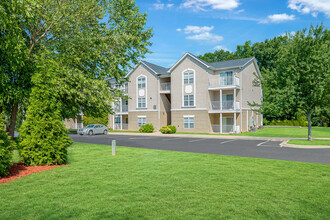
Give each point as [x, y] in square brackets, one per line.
[142, 120]
[141, 82]
[141, 102]
[188, 78]
[188, 100]
[188, 122]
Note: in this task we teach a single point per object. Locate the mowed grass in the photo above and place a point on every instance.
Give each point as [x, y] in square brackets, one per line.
[313, 142]
[317, 132]
[155, 184]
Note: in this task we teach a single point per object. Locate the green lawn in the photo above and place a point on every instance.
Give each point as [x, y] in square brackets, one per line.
[317, 132]
[155, 184]
[306, 142]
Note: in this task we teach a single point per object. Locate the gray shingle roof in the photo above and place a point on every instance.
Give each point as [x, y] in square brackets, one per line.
[230, 63]
[158, 69]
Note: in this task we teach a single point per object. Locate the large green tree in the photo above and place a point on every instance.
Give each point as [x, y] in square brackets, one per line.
[301, 79]
[90, 40]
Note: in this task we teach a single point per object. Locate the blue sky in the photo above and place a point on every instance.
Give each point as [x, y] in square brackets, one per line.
[200, 26]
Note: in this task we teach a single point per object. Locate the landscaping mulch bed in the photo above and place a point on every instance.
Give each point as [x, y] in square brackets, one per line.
[19, 170]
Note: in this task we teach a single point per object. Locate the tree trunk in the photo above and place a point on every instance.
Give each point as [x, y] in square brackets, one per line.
[309, 125]
[13, 117]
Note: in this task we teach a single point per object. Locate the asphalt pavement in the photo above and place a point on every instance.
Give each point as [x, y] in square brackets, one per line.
[235, 147]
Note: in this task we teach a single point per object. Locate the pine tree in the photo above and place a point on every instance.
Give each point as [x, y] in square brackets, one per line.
[43, 136]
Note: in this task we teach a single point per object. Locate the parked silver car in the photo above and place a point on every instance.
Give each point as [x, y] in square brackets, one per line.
[93, 129]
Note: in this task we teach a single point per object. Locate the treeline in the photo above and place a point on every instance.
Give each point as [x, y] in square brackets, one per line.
[275, 61]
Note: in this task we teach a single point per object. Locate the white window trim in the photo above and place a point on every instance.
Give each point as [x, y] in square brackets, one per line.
[189, 116]
[183, 86]
[141, 116]
[137, 90]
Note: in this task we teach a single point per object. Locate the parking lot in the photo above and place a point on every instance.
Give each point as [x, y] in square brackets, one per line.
[234, 147]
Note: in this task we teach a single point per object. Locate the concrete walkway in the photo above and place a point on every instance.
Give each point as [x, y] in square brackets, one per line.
[284, 140]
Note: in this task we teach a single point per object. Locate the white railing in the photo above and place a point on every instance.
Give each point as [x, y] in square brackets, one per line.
[165, 86]
[119, 126]
[227, 128]
[215, 105]
[117, 108]
[226, 105]
[224, 82]
[125, 126]
[124, 108]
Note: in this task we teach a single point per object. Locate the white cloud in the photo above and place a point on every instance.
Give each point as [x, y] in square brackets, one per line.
[278, 18]
[206, 36]
[197, 29]
[220, 47]
[160, 6]
[310, 6]
[200, 5]
[201, 33]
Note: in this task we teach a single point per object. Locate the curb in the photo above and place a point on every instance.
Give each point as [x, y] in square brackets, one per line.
[285, 144]
[204, 136]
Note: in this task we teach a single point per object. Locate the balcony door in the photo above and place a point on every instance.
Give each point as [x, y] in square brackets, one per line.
[226, 78]
[227, 125]
[228, 101]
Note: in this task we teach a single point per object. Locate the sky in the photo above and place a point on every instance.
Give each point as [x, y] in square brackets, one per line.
[200, 26]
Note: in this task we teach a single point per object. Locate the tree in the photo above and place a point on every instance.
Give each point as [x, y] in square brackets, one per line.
[44, 138]
[6, 148]
[89, 40]
[302, 77]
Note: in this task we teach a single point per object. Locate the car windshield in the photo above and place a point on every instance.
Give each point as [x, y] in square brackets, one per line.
[90, 126]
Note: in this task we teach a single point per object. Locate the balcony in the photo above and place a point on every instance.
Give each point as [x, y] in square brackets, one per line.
[224, 82]
[224, 106]
[225, 128]
[165, 87]
[122, 88]
[124, 108]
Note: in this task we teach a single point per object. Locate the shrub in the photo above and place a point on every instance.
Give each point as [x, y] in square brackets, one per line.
[169, 129]
[173, 128]
[6, 148]
[147, 128]
[43, 136]
[165, 130]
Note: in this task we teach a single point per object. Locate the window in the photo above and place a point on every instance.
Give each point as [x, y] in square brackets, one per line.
[226, 78]
[188, 78]
[141, 82]
[142, 120]
[188, 122]
[141, 102]
[188, 100]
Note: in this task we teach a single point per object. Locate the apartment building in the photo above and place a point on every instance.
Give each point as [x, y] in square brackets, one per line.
[193, 95]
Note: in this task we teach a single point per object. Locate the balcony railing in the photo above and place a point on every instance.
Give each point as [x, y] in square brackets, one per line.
[119, 126]
[123, 88]
[224, 82]
[124, 108]
[225, 128]
[165, 86]
[226, 105]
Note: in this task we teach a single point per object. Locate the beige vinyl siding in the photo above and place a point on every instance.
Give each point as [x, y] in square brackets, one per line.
[201, 83]
[151, 90]
[250, 93]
